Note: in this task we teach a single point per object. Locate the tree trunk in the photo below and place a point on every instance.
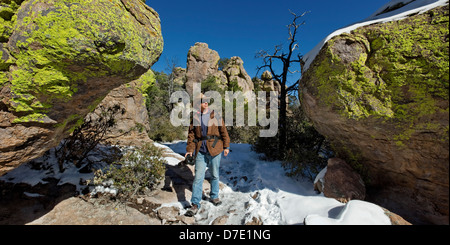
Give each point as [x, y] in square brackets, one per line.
[282, 138]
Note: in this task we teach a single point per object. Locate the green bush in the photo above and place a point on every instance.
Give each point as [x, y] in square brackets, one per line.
[307, 151]
[162, 130]
[159, 108]
[86, 136]
[138, 171]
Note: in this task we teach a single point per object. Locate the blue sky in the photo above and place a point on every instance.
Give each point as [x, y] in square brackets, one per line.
[243, 27]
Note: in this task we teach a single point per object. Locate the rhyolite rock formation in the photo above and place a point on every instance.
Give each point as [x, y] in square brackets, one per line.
[202, 63]
[203, 66]
[59, 59]
[131, 120]
[380, 95]
[236, 74]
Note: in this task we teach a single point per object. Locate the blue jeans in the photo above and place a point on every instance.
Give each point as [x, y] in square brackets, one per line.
[202, 161]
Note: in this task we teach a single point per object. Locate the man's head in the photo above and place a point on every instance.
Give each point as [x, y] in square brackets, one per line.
[204, 105]
[204, 102]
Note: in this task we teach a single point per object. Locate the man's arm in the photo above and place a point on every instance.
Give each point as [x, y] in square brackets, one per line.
[225, 138]
[190, 146]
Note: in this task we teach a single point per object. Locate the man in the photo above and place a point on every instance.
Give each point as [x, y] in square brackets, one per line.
[208, 140]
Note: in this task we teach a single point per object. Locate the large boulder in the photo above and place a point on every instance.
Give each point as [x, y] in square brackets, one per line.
[203, 63]
[268, 84]
[76, 211]
[203, 66]
[236, 74]
[340, 182]
[380, 95]
[59, 59]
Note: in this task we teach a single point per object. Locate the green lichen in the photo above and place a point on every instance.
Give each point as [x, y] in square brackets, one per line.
[353, 158]
[94, 105]
[400, 75]
[414, 56]
[74, 120]
[3, 79]
[145, 81]
[77, 124]
[7, 18]
[36, 117]
[69, 42]
[353, 89]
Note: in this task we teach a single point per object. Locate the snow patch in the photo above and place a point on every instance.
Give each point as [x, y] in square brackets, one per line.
[356, 212]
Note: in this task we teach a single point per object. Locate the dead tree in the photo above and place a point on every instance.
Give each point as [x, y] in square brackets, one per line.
[287, 58]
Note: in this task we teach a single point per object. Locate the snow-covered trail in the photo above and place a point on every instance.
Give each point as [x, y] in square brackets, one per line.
[254, 189]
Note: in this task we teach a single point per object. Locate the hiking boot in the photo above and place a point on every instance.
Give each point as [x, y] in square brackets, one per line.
[192, 211]
[216, 201]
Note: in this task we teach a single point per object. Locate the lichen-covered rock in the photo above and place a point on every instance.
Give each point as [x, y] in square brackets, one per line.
[131, 122]
[59, 59]
[380, 95]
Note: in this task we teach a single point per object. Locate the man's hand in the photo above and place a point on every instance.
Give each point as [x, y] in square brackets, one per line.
[188, 153]
[226, 151]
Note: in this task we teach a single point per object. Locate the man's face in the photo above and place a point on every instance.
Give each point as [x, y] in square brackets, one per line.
[204, 104]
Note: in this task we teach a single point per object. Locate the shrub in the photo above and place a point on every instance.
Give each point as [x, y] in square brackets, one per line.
[162, 130]
[138, 171]
[84, 138]
[159, 109]
[307, 151]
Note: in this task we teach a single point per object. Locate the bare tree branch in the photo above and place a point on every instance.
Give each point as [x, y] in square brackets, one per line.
[282, 77]
[293, 86]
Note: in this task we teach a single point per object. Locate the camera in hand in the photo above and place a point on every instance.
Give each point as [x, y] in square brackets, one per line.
[190, 160]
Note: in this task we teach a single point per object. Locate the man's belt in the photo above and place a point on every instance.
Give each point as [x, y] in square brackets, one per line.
[209, 137]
